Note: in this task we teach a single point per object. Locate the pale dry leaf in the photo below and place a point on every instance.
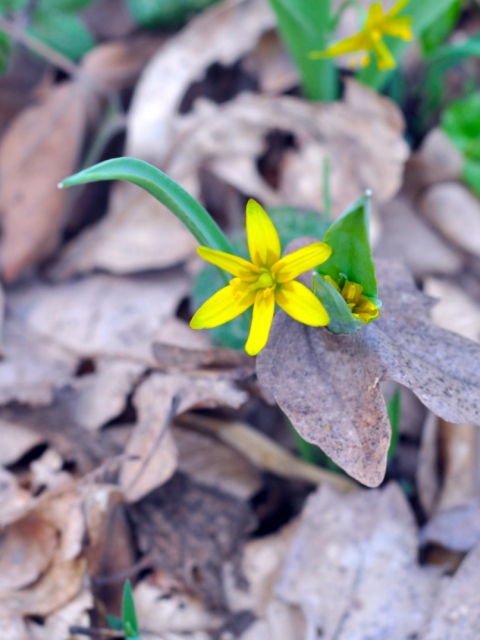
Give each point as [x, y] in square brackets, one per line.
[427, 476]
[13, 498]
[456, 528]
[15, 441]
[271, 65]
[34, 157]
[160, 612]
[454, 211]
[102, 315]
[58, 624]
[211, 463]
[456, 615]
[47, 472]
[262, 562]
[175, 358]
[27, 548]
[437, 160]
[455, 310]
[58, 586]
[459, 455]
[13, 628]
[101, 395]
[328, 385]
[223, 35]
[406, 236]
[281, 622]
[151, 456]
[33, 366]
[65, 510]
[353, 570]
[137, 234]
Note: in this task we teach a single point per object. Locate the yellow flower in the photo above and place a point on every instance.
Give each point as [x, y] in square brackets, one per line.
[266, 280]
[370, 38]
[360, 306]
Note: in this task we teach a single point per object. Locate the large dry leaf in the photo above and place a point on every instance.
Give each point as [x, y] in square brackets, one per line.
[102, 315]
[58, 624]
[406, 236]
[328, 385]
[34, 157]
[151, 455]
[353, 569]
[455, 212]
[26, 550]
[223, 34]
[456, 615]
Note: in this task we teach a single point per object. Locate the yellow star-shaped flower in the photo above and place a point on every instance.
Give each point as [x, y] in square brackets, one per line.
[266, 280]
[370, 38]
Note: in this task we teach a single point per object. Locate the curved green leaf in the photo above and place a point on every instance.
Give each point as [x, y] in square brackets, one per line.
[341, 318]
[164, 189]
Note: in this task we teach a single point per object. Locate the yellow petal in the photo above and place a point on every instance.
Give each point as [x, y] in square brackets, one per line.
[385, 60]
[233, 264]
[300, 303]
[263, 241]
[263, 310]
[399, 28]
[358, 42]
[293, 264]
[375, 16]
[222, 307]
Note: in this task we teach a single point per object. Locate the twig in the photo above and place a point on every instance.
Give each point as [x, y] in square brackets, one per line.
[37, 46]
[265, 453]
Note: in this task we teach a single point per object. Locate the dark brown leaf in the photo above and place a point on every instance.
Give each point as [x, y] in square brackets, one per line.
[328, 385]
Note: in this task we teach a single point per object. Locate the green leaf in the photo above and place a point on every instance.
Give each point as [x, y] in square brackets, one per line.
[461, 122]
[5, 48]
[341, 318]
[65, 5]
[438, 32]
[305, 27]
[471, 175]
[165, 13]
[129, 615]
[164, 189]
[64, 32]
[394, 410]
[352, 255]
[424, 13]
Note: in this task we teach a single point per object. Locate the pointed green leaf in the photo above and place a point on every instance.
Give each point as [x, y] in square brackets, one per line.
[164, 189]
[352, 255]
[129, 614]
[341, 319]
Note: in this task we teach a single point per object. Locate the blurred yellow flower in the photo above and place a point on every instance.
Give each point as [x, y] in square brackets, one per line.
[266, 280]
[360, 306]
[370, 38]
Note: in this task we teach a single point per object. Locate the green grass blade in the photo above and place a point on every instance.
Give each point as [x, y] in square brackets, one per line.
[164, 189]
[129, 614]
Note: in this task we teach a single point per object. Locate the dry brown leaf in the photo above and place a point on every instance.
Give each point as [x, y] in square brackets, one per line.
[26, 550]
[174, 358]
[271, 65]
[407, 237]
[13, 628]
[102, 315]
[455, 310]
[15, 441]
[456, 615]
[55, 589]
[151, 455]
[353, 570]
[34, 157]
[223, 34]
[328, 385]
[213, 464]
[455, 212]
[57, 625]
[33, 366]
[189, 531]
[281, 622]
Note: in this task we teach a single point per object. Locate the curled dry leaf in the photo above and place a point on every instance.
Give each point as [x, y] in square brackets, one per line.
[461, 228]
[456, 615]
[151, 454]
[328, 385]
[353, 570]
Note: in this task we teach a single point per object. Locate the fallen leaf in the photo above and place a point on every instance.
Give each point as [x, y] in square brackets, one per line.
[456, 615]
[328, 385]
[15, 441]
[58, 624]
[352, 567]
[33, 160]
[189, 531]
[209, 462]
[455, 310]
[13, 628]
[26, 551]
[456, 528]
[428, 479]
[231, 29]
[151, 456]
[454, 211]
[174, 358]
[102, 315]
[406, 236]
